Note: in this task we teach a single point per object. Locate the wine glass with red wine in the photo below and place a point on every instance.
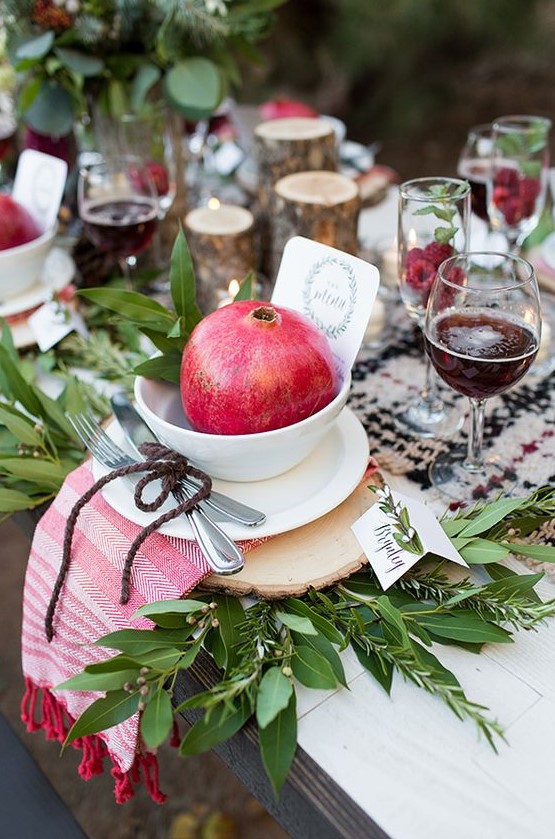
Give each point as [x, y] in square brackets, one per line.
[482, 333]
[474, 166]
[118, 206]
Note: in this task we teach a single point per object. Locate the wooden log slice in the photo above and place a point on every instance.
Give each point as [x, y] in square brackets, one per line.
[316, 555]
[221, 241]
[323, 206]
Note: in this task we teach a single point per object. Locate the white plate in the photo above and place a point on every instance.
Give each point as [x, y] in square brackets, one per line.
[310, 490]
[58, 271]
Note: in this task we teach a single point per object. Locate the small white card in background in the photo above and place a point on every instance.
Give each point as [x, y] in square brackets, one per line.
[374, 531]
[39, 185]
[332, 288]
[54, 321]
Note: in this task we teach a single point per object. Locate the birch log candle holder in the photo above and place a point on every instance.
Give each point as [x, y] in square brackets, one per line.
[323, 206]
[295, 144]
[221, 241]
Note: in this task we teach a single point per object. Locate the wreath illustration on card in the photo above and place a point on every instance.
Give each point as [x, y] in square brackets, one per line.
[327, 300]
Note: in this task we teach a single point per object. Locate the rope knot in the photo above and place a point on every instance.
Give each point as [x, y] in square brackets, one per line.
[161, 464]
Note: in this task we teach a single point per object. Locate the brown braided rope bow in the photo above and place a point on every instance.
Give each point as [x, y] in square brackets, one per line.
[161, 464]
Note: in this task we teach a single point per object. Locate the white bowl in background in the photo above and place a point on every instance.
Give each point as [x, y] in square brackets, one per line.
[241, 457]
[21, 267]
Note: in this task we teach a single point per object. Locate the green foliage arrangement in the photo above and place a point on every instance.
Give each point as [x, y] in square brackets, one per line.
[265, 649]
[115, 51]
[38, 446]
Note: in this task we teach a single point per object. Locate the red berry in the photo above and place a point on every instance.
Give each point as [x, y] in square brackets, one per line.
[436, 253]
[413, 255]
[420, 275]
[529, 189]
[507, 177]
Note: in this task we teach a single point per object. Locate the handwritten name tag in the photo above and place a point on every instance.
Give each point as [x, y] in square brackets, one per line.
[54, 321]
[334, 289]
[376, 531]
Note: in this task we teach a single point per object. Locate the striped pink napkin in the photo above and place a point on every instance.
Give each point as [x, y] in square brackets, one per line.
[164, 568]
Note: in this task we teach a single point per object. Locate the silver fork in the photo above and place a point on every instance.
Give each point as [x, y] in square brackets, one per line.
[221, 553]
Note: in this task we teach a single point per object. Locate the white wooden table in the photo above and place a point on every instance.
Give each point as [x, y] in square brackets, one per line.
[409, 763]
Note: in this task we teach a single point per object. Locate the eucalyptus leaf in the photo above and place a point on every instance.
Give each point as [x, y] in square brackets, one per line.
[11, 500]
[138, 641]
[145, 78]
[464, 625]
[80, 62]
[160, 659]
[157, 719]
[44, 473]
[274, 694]
[491, 515]
[320, 623]
[182, 283]
[194, 87]
[394, 619]
[214, 728]
[113, 680]
[298, 623]
[312, 669]
[230, 614]
[320, 644]
[103, 714]
[166, 367]
[378, 666]
[36, 47]
[278, 744]
[132, 306]
[174, 607]
[51, 112]
[482, 551]
[112, 665]
[22, 427]
[541, 553]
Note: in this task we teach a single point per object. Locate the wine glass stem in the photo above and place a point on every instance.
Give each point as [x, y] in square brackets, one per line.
[474, 461]
[429, 394]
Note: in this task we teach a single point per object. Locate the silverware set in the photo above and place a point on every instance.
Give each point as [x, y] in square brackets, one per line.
[220, 551]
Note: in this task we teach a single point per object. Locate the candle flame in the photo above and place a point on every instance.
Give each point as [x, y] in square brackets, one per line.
[233, 288]
[214, 203]
[412, 238]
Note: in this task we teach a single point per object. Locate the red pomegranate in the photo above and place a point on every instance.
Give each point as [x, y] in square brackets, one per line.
[284, 107]
[17, 225]
[251, 367]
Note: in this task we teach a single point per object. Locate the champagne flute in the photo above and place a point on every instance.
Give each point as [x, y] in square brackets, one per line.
[434, 218]
[482, 332]
[119, 208]
[519, 175]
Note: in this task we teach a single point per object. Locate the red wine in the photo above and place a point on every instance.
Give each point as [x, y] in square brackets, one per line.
[477, 173]
[120, 226]
[481, 352]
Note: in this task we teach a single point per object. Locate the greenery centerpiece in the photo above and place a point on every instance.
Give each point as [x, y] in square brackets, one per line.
[68, 52]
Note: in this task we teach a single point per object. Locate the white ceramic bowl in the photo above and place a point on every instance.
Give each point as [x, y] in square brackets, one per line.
[21, 267]
[241, 457]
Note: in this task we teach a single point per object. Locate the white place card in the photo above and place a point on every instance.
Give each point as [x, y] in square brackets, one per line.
[374, 531]
[54, 321]
[39, 185]
[334, 289]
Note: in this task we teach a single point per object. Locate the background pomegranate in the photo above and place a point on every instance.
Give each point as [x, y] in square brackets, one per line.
[17, 225]
[251, 367]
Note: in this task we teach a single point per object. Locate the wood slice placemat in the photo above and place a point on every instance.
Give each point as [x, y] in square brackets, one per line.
[316, 555]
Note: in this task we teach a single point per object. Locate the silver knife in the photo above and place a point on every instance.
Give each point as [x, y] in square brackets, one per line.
[137, 432]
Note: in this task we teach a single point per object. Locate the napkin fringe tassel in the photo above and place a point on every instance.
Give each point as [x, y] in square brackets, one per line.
[40, 709]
